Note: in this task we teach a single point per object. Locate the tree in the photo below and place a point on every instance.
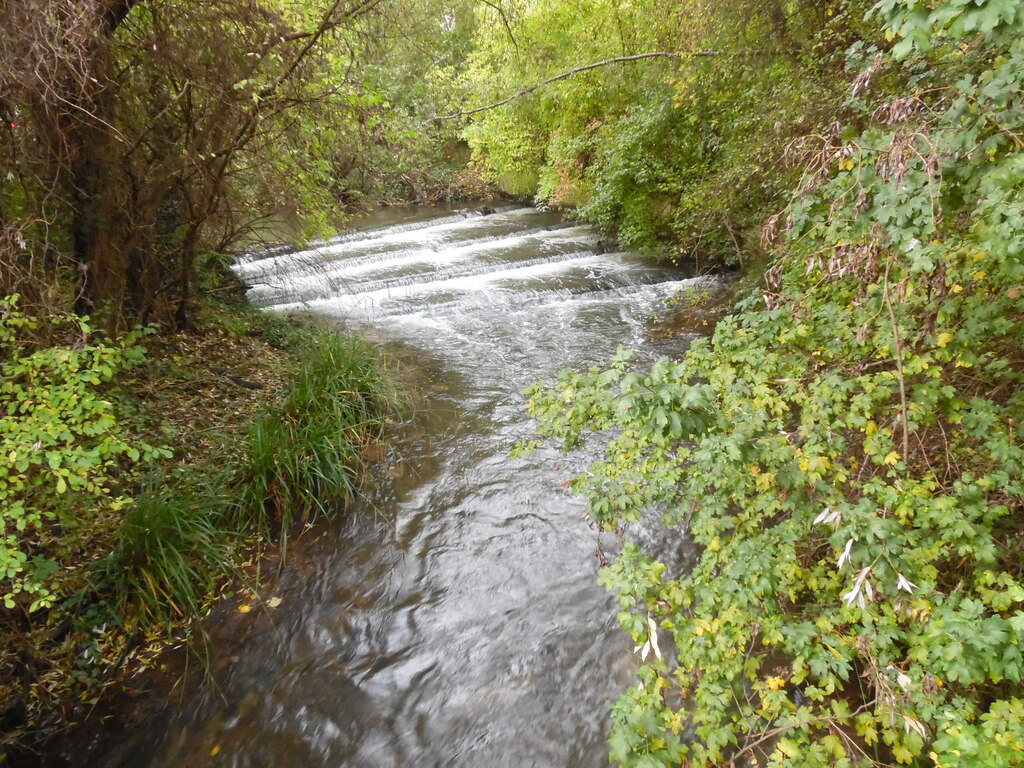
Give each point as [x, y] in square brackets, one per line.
[136, 130]
[683, 138]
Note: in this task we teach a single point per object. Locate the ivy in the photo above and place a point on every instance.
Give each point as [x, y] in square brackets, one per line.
[847, 451]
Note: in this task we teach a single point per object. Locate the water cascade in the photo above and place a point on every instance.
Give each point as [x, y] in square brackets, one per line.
[458, 622]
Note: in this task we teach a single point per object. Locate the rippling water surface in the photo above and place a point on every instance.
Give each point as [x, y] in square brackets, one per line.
[457, 622]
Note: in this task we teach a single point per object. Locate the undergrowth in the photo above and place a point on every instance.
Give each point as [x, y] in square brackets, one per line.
[304, 456]
[218, 443]
[847, 451]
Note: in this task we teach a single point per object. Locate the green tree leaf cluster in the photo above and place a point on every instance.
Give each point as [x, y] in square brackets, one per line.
[685, 148]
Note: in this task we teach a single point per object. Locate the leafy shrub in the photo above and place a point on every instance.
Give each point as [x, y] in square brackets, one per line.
[847, 452]
[59, 442]
[642, 166]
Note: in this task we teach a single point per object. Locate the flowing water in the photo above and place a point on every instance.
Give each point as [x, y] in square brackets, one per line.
[459, 623]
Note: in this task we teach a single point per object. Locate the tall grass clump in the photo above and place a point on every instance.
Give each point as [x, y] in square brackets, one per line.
[301, 457]
[170, 553]
[306, 456]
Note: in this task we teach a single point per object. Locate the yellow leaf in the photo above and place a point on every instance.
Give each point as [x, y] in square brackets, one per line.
[215, 751]
[892, 458]
[944, 339]
[788, 748]
[244, 608]
[870, 428]
[902, 754]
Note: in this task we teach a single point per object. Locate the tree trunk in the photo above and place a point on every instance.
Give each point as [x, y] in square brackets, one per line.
[95, 193]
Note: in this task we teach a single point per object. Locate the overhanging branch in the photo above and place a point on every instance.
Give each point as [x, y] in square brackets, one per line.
[576, 70]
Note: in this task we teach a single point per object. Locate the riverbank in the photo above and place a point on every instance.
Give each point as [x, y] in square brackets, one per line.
[845, 451]
[210, 448]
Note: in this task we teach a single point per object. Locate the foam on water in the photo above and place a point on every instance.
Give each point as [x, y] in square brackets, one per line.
[466, 630]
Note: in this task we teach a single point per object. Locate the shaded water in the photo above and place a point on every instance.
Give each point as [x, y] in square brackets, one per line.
[462, 625]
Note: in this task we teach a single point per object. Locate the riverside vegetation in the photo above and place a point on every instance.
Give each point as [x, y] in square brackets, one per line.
[845, 449]
[140, 142]
[141, 483]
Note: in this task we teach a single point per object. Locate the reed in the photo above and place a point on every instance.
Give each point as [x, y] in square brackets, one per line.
[169, 553]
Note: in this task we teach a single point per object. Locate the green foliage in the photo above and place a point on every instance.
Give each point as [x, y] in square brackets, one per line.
[170, 553]
[545, 143]
[644, 164]
[107, 551]
[847, 452]
[60, 443]
[686, 151]
[170, 129]
[182, 536]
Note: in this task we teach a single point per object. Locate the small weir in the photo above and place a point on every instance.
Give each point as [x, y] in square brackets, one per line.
[457, 620]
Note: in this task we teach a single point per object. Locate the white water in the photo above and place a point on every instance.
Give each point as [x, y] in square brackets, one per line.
[467, 630]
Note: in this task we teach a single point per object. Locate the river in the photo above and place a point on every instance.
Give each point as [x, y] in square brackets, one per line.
[456, 620]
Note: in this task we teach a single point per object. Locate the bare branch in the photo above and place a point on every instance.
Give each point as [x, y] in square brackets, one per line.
[604, 63]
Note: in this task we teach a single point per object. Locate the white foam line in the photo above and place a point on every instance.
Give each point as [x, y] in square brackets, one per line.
[481, 268]
[373, 233]
[511, 302]
[520, 301]
[333, 275]
[270, 269]
[371, 300]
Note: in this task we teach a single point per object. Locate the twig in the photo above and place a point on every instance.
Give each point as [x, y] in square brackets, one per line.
[504, 20]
